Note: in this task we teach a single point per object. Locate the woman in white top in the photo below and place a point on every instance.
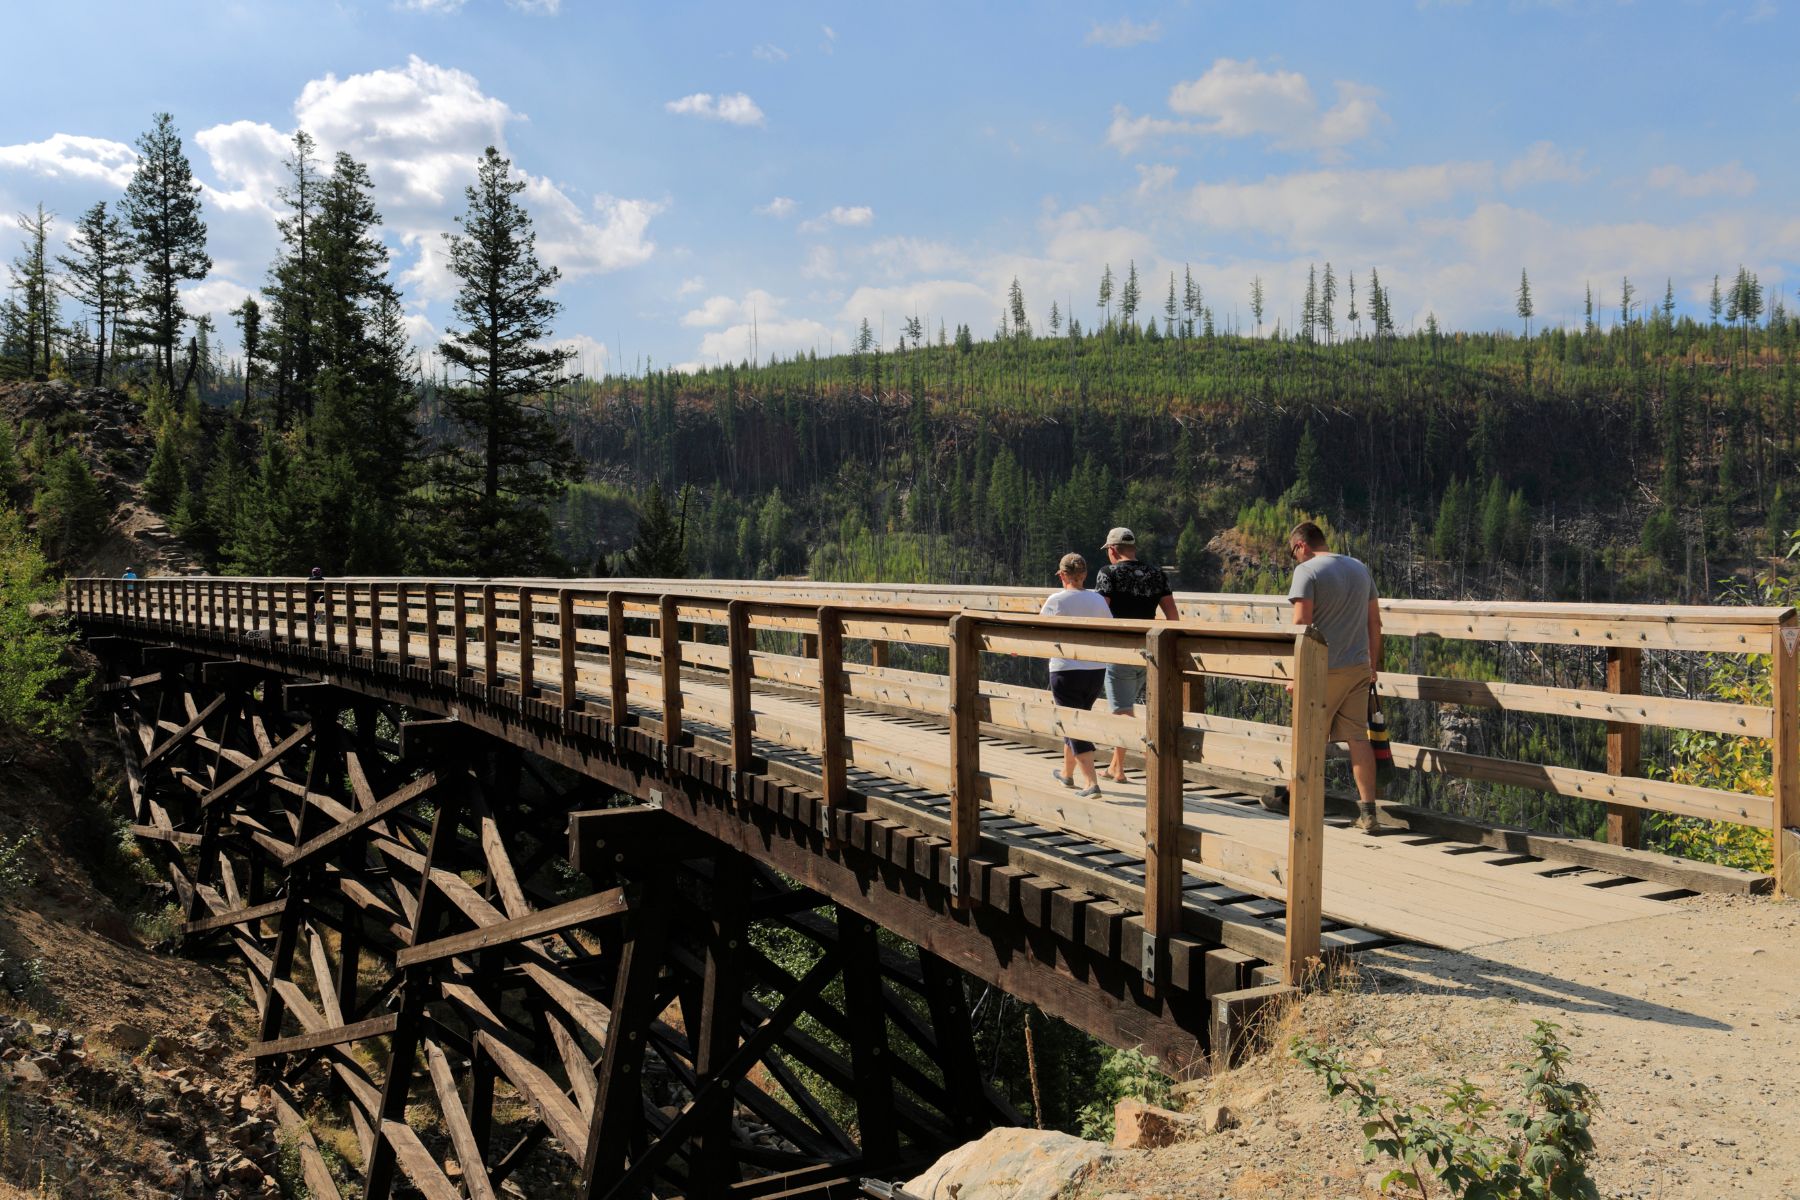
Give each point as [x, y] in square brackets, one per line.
[1074, 683]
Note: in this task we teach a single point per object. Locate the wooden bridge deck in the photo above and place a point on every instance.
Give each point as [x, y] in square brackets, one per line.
[1391, 886]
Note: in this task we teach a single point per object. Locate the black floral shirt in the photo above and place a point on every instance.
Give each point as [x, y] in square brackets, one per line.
[1132, 588]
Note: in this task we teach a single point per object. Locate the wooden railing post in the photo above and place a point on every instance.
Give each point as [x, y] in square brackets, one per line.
[349, 620]
[878, 654]
[490, 637]
[832, 756]
[565, 650]
[402, 623]
[1306, 806]
[1784, 695]
[965, 753]
[212, 606]
[740, 644]
[459, 629]
[1624, 743]
[1163, 808]
[617, 697]
[293, 612]
[330, 619]
[527, 636]
[668, 628]
[434, 658]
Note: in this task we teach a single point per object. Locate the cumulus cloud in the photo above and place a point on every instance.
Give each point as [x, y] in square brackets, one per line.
[1237, 99]
[729, 310]
[734, 109]
[428, 6]
[690, 286]
[590, 356]
[1123, 34]
[769, 52]
[842, 215]
[755, 324]
[543, 8]
[780, 206]
[1312, 208]
[1730, 179]
[1543, 162]
[72, 156]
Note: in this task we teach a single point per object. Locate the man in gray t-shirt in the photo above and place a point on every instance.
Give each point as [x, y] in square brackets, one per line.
[1337, 594]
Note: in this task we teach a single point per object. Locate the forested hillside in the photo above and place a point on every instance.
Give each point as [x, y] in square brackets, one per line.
[1640, 456]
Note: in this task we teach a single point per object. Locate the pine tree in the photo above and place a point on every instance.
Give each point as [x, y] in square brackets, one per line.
[660, 550]
[1668, 304]
[492, 484]
[70, 507]
[1493, 520]
[1106, 293]
[162, 206]
[1523, 306]
[1131, 297]
[1055, 319]
[1327, 304]
[249, 322]
[1352, 315]
[1015, 302]
[1588, 312]
[162, 482]
[32, 276]
[1256, 302]
[294, 287]
[1191, 301]
[1627, 296]
[1170, 309]
[1308, 490]
[1309, 306]
[1715, 305]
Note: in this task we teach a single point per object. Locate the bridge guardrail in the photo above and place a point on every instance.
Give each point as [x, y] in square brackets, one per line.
[580, 645]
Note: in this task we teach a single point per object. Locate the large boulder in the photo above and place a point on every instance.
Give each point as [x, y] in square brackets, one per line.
[1011, 1164]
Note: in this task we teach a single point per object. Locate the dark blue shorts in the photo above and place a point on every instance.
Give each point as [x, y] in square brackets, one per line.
[1077, 689]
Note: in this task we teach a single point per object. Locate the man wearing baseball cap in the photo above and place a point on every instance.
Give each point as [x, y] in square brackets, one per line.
[1134, 591]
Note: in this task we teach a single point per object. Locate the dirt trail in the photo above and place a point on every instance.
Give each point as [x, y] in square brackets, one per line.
[1686, 1024]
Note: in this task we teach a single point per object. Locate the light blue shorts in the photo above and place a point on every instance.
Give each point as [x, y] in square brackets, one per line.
[1124, 687]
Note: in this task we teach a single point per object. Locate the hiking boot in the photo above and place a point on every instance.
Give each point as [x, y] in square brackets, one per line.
[1275, 800]
[1368, 818]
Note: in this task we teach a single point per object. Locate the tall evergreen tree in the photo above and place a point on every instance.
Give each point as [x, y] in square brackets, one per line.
[162, 206]
[1523, 306]
[1106, 294]
[32, 276]
[248, 316]
[1132, 296]
[1015, 303]
[1170, 309]
[492, 483]
[1328, 304]
[1256, 302]
[1309, 306]
[660, 549]
[294, 286]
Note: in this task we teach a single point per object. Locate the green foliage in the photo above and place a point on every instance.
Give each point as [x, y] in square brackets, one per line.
[71, 509]
[16, 874]
[162, 482]
[660, 551]
[1543, 1156]
[35, 694]
[1125, 1074]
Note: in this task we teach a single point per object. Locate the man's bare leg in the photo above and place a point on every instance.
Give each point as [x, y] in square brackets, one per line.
[1115, 770]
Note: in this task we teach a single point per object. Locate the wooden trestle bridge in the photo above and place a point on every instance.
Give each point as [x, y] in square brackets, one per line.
[598, 871]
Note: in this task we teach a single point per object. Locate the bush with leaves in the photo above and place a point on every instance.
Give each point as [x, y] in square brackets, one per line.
[34, 696]
[70, 506]
[1543, 1156]
[1125, 1075]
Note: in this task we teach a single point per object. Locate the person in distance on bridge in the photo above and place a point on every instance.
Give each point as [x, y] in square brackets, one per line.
[315, 588]
[1337, 594]
[1074, 683]
[1134, 591]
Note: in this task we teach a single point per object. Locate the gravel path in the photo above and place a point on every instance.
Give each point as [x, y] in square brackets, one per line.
[1686, 1024]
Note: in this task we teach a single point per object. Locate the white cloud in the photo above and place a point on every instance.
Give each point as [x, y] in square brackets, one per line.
[429, 6]
[1154, 178]
[842, 215]
[1307, 209]
[610, 239]
[821, 263]
[769, 52]
[72, 156]
[545, 8]
[726, 310]
[1236, 99]
[1729, 179]
[1543, 162]
[829, 45]
[734, 109]
[591, 356]
[1123, 34]
[780, 206]
[689, 286]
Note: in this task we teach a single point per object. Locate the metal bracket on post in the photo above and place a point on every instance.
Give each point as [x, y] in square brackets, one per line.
[955, 875]
[1149, 959]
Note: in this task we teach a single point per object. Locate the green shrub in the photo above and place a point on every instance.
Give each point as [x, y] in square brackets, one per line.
[33, 695]
[1544, 1156]
[1126, 1074]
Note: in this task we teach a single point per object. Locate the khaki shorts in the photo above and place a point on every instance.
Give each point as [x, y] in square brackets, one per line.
[1347, 703]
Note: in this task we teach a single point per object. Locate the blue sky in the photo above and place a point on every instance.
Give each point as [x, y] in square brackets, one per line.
[713, 177]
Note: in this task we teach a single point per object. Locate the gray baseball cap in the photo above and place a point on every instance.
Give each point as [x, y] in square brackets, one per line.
[1121, 536]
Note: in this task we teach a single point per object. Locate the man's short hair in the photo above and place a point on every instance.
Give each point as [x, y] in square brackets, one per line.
[1309, 533]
